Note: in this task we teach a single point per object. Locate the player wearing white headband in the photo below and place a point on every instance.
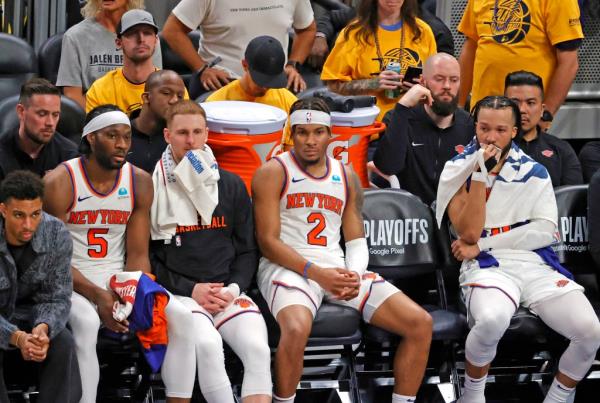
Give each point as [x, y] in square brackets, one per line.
[303, 201]
[105, 202]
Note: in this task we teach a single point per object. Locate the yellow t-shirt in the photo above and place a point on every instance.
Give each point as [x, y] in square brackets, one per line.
[280, 98]
[353, 60]
[114, 88]
[522, 38]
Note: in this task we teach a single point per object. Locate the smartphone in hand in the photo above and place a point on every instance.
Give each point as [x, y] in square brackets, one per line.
[412, 73]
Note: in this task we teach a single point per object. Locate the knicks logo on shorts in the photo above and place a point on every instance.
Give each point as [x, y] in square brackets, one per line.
[243, 303]
[562, 283]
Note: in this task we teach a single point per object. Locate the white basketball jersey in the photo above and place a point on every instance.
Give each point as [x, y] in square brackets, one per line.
[311, 208]
[97, 222]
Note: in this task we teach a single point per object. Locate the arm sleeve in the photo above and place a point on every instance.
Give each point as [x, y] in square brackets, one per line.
[594, 218]
[534, 235]
[323, 20]
[562, 20]
[303, 14]
[245, 264]
[69, 69]
[53, 299]
[191, 13]
[570, 166]
[390, 155]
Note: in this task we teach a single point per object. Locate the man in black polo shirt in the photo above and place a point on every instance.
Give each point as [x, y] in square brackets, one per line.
[526, 89]
[425, 129]
[163, 88]
[35, 145]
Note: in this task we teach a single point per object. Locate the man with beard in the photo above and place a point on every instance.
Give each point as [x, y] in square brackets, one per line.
[137, 36]
[105, 203]
[34, 145]
[526, 89]
[163, 89]
[425, 129]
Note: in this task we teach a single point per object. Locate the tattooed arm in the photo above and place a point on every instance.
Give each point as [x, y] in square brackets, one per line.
[387, 80]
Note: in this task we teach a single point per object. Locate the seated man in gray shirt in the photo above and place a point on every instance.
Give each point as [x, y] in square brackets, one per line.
[89, 50]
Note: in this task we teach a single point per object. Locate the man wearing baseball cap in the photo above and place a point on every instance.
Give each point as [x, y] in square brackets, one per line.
[137, 37]
[264, 80]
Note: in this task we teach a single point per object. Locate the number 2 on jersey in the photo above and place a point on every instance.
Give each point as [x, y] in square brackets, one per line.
[98, 245]
[314, 237]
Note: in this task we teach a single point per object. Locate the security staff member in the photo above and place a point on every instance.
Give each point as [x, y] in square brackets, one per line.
[526, 89]
[425, 129]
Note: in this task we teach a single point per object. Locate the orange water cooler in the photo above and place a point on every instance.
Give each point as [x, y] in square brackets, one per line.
[350, 142]
[243, 135]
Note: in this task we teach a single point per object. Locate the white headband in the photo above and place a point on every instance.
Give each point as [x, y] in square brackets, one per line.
[306, 117]
[105, 120]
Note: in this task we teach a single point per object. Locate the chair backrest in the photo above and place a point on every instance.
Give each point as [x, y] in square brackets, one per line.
[573, 250]
[49, 57]
[400, 232]
[70, 124]
[72, 117]
[17, 64]
[172, 61]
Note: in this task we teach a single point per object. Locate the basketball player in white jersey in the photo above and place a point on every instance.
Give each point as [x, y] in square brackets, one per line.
[105, 202]
[303, 201]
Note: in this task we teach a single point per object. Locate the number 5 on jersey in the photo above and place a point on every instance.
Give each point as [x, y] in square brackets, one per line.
[314, 237]
[98, 246]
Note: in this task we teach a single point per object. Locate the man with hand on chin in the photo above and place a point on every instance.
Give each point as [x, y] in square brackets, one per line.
[425, 129]
[501, 204]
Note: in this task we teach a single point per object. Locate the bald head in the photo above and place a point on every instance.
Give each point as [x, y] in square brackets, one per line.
[441, 75]
[441, 62]
[163, 88]
[158, 77]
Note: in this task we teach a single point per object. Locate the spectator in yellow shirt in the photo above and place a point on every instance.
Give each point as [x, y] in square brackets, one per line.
[264, 80]
[384, 32]
[124, 86]
[540, 36]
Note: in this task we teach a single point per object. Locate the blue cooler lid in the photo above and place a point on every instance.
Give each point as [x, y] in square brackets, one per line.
[359, 117]
[239, 117]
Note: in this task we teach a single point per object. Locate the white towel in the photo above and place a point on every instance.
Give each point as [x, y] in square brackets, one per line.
[183, 191]
[521, 192]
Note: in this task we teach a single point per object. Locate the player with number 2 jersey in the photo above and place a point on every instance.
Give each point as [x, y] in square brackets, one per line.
[303, 202]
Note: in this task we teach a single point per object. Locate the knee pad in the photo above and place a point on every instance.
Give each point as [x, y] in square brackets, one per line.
[484, 337]
[256, 358]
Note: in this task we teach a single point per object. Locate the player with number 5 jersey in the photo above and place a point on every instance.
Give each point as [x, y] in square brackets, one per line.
[303, 202]
[105, 202]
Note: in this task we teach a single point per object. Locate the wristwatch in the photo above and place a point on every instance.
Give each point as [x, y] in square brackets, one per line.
[547, 116]
[294, 64]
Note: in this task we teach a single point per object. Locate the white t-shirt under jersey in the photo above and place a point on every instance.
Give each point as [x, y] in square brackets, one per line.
[228, 26]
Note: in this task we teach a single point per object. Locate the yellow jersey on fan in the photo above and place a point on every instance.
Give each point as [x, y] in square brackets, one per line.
[516, 35]
[354, 60]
